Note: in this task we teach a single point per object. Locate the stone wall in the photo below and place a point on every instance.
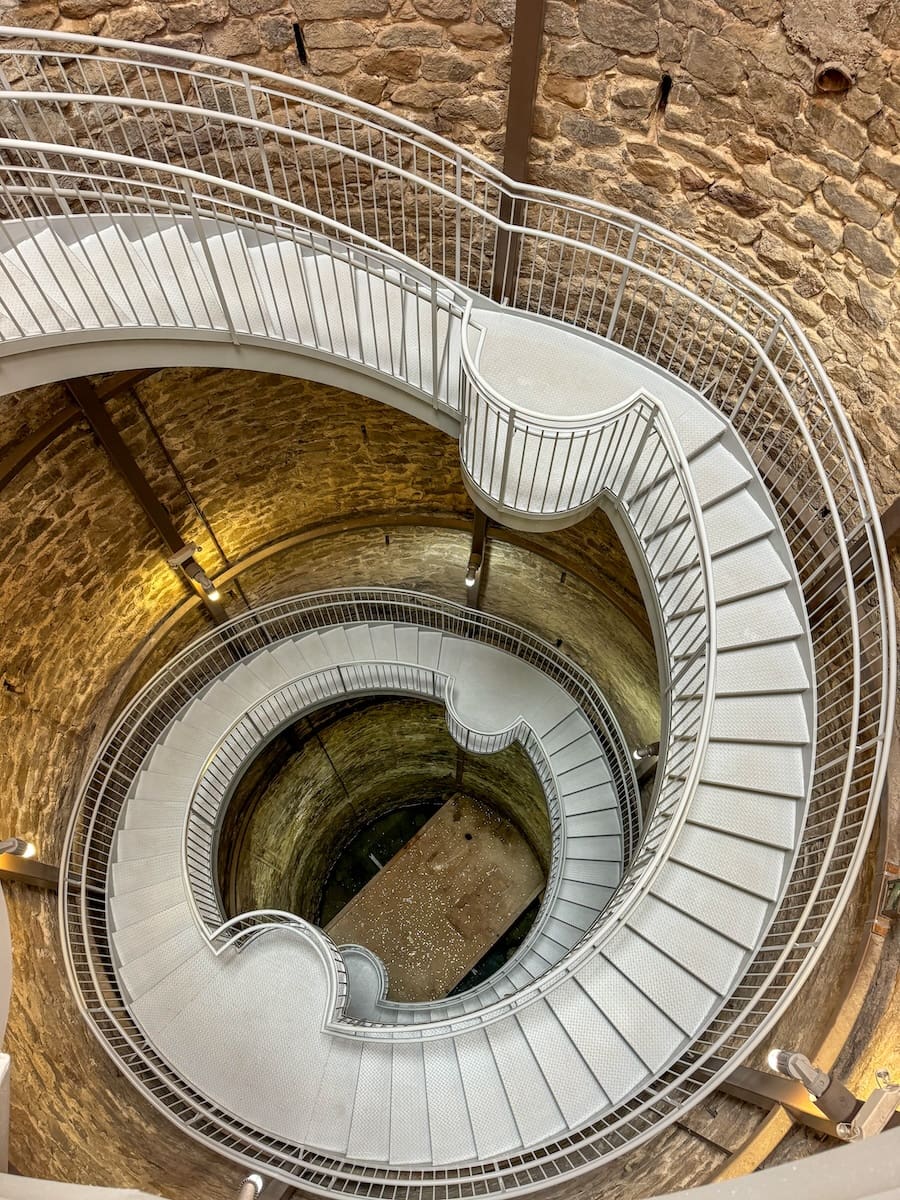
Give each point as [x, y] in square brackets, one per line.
[339, 772]
[704, 117]
[443, 63]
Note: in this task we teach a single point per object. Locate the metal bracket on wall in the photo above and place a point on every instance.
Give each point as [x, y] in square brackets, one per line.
[30, 871]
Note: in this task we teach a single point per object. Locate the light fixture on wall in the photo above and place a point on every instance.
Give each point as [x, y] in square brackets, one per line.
[17, 846]
[471, 575]
[184, 558]
[853, 1118]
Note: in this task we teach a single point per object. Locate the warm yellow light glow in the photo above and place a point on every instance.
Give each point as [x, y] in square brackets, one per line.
[29, 851]
[215, 594]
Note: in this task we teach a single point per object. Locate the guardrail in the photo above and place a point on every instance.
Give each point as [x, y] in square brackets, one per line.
[385, 182]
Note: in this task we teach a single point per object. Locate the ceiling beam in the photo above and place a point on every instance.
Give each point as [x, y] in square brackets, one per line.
[22, 453]
[890, 524]
[88, 400]
[528, 41]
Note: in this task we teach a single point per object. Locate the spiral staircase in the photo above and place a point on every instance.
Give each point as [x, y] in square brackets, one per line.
[160, 208]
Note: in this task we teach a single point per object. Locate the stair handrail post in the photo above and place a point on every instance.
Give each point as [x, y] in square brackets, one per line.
[209, 260]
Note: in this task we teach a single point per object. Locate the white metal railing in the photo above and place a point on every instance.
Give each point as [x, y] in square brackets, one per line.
[284, 705]
[90, 960]
[381, 184]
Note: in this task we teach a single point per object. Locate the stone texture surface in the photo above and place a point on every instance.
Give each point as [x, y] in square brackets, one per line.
[363, 48]
[312, 791]
[743, 118]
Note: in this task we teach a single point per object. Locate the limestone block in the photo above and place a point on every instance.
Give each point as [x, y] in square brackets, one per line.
[744, 203]
[235, 39]
[134, 24]
[870, 252]
[845, 199]
[336, 34]
[444, 10]
[330, 10]
[619, 26]
[395, 64]
[560, 20]
[476, 110]
[182, 18]
[587, 131]
[712, 61]
[80, 9]
[448, 67]
[573, 92]
[580, 59]
[476, 36]
[797, 172]
[415, 34]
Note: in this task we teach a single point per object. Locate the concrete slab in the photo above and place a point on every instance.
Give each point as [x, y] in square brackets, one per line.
[443, 901]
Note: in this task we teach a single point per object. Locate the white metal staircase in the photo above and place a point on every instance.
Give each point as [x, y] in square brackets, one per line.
[618, 366]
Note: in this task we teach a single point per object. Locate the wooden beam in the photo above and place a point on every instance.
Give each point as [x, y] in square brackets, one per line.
[890, 525]
[113, 384]
[88, 401]
[477, 557]
[528, 40]
[22, 453]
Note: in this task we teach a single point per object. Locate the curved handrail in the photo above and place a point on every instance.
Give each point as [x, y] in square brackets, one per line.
[246, 734]
[762, 374]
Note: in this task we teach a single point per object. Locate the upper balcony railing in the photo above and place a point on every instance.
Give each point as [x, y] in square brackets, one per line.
[386, 186]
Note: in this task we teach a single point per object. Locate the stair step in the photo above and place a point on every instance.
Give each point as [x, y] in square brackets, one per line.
[359, 638]
[332, 1113]
[337, 645]
[410, 1137]
[571, 1082]
[138, 939]
[586, 871]
[602, 822]
[651, 1034]
[370, 1122]
[592, 896]
[768, 819]
[133, 906]
[430, 648]
[152, 814]
[773, 770]
[736, 914]
[754, 567]
[702, 951]
[780, 719]
[407, 639]
[685, 1000]
[147, 843]
[756, 619]
[754, 868]
[145, 971]
[384, 642]
[536, 1113]
[761, 670]
[595, 799]
[136, 873]
[493, 1125]
[611, 1060]
[734, 521]
[451, 1128]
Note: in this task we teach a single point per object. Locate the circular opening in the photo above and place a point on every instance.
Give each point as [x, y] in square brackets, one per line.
[832, 77]
[367, 819]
